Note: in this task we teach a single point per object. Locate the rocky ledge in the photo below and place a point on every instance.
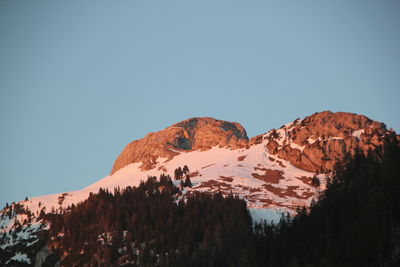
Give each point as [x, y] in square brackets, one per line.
[191, 134]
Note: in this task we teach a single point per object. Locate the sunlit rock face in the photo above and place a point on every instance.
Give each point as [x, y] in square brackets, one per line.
[273, 170]
[313, 144]
[191, 134]
[318, 141]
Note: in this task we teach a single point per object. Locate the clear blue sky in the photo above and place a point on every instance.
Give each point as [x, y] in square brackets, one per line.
[81, 79]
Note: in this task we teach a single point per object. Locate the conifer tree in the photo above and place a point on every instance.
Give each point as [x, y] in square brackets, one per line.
[185, 169]
[178, 173]
[188, 182]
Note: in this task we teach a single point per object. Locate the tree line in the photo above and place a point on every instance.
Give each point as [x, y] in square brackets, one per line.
[151, 225]
[356, 221]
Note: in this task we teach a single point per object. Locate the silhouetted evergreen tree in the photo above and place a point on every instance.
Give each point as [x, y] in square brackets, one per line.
[185, 169]
[178, 173]
[188, 182]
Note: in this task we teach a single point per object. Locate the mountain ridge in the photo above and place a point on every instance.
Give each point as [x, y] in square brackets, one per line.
[202, 133]
[269, 167]
[278, 171]
[269, 170]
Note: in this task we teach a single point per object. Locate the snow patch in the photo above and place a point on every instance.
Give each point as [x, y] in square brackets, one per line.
[267, 215]
[21, 257]
[357, 134]
[336, 138]
[311, 140]
[296, 146]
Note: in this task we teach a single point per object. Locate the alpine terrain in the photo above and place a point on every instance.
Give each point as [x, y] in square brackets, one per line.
[274, 173]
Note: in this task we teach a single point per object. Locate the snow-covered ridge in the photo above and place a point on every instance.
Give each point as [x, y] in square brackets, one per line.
[268, 171]
[244, 172]
[269, 185]
[264, 179]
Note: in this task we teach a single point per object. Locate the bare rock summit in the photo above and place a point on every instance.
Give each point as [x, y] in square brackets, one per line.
[199, 134]
[313, 144]
[318, 141]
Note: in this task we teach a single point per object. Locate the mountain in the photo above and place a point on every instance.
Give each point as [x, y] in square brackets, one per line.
[273, 170]
[196, 134]
[278, 171]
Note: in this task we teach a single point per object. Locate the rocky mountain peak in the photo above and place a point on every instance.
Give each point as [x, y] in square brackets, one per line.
[313, 144]
[203, 133]
[318, 141]
[200, 133]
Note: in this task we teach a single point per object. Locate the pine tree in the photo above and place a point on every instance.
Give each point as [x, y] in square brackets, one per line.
[185, 169]
[178, 173]
[188, 182]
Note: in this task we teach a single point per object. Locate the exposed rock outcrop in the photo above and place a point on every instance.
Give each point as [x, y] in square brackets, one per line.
[317, 142]
[192, 134]
[313, 144]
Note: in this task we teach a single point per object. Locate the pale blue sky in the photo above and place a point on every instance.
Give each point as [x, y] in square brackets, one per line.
[81, 79]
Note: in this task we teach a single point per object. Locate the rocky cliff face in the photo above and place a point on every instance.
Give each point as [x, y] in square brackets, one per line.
[192, 134]
[317, 142]
[313, 144]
